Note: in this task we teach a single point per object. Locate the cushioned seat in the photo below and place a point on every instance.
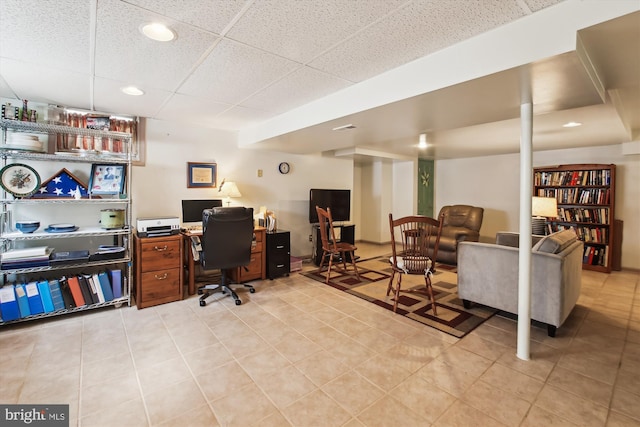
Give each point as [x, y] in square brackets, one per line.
[460, 223]
[488, 274]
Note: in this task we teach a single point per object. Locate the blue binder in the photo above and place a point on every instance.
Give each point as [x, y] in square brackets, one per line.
[23, 301]
[56, 295]
[9, 303]
[35, 302]
[116, 283]
[105, 285]
[45, 295]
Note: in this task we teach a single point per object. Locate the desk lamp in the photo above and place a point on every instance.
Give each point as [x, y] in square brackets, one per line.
[541, 209]
[229, 189]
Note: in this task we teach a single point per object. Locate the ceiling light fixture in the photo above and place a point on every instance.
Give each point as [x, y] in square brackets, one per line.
[132, 90]
[422, 142]
[571, 125]
[158, 32]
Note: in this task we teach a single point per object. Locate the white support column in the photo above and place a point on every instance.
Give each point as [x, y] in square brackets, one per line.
[524, 259]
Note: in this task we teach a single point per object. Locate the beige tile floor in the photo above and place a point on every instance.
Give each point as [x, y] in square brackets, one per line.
[298, 353]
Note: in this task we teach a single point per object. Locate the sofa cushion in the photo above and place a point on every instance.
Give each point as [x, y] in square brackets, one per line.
[556, 242]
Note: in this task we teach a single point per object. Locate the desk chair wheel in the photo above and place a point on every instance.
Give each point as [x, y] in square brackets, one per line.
[252, 290]
[238, 302]
[202, 302]
[199, 291]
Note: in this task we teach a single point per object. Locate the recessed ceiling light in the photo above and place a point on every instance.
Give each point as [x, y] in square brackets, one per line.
[571, 125]
[158, 32]
[132, 90]
[422, 142]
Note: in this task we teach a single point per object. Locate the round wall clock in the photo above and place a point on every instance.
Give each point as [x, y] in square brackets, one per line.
[284, 167]
[19, 180]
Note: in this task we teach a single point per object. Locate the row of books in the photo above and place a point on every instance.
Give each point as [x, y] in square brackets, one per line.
[578, 178]
[590, 196]
[20, 300]
[591, 215]
[596, 255]
[586, 234]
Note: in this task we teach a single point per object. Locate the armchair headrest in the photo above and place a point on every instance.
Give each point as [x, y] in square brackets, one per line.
[462, 216]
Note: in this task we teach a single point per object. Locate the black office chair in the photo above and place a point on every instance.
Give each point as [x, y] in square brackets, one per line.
[227, 235]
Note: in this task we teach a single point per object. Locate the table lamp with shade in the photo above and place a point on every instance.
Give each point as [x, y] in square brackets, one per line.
[541, 209]
[229, 189]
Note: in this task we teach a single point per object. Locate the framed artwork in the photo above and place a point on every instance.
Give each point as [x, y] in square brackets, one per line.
[19, 180]
[201, 175]
[107, 178]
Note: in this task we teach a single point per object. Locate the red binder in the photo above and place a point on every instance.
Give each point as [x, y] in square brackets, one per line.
[74, 285]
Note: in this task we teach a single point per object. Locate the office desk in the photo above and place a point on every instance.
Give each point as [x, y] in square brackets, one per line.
[257, 269]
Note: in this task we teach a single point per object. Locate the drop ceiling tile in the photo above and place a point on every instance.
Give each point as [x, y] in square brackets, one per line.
[300, 87]
[189, 109]
[300, 30]
[239, 117]
[234, 71]
[420, 28]
[47, 85]
[46, 33]
[109, 98]
[536, 5]
[211, 15]
[125, 54]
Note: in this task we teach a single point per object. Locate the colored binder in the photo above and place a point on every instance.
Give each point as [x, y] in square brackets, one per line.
[116, 283]
[45, 295]
[23, 301]
[56, 295]
[105, 285]
[66, 293]
[33, 295]
[74, 285]
[95, 285]
[87, 290]
[9, 303]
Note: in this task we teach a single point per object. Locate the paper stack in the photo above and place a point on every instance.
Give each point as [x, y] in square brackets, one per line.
[26, 258]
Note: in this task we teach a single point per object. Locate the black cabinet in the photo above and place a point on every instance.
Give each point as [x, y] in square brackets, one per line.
[278, 253]
[344, 233]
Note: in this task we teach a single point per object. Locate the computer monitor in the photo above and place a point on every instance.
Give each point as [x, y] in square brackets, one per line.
[192, 209]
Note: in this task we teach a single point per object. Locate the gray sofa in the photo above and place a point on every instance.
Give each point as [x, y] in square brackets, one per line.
[488, 275]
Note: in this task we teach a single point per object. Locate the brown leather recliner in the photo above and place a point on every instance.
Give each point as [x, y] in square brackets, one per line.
[460, 223]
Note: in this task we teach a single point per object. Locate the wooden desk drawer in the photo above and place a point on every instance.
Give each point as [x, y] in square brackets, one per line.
[160, 255]
[255, 267]
[256, 247]
[159, 287]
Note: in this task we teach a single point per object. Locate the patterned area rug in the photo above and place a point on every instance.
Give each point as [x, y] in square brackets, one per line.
[375, 273]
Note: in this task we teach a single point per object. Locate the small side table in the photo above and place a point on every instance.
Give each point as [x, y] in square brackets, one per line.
[278, 253]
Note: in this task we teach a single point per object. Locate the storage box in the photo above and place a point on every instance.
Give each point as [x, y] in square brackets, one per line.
[296, 264]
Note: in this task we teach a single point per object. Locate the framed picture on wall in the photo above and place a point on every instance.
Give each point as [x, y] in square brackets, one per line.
[107, 178]
[202, 175]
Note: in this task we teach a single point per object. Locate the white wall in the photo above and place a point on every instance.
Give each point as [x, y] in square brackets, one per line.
[160, 186]
[493, 183]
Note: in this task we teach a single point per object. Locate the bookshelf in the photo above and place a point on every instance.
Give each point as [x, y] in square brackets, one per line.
[586, 204]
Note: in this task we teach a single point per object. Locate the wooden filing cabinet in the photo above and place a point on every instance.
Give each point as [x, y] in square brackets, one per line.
[257, 267]
[158, 270]
[278, 253]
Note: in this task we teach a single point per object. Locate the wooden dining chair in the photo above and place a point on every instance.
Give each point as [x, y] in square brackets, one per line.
[414, 247]
[335, 251]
